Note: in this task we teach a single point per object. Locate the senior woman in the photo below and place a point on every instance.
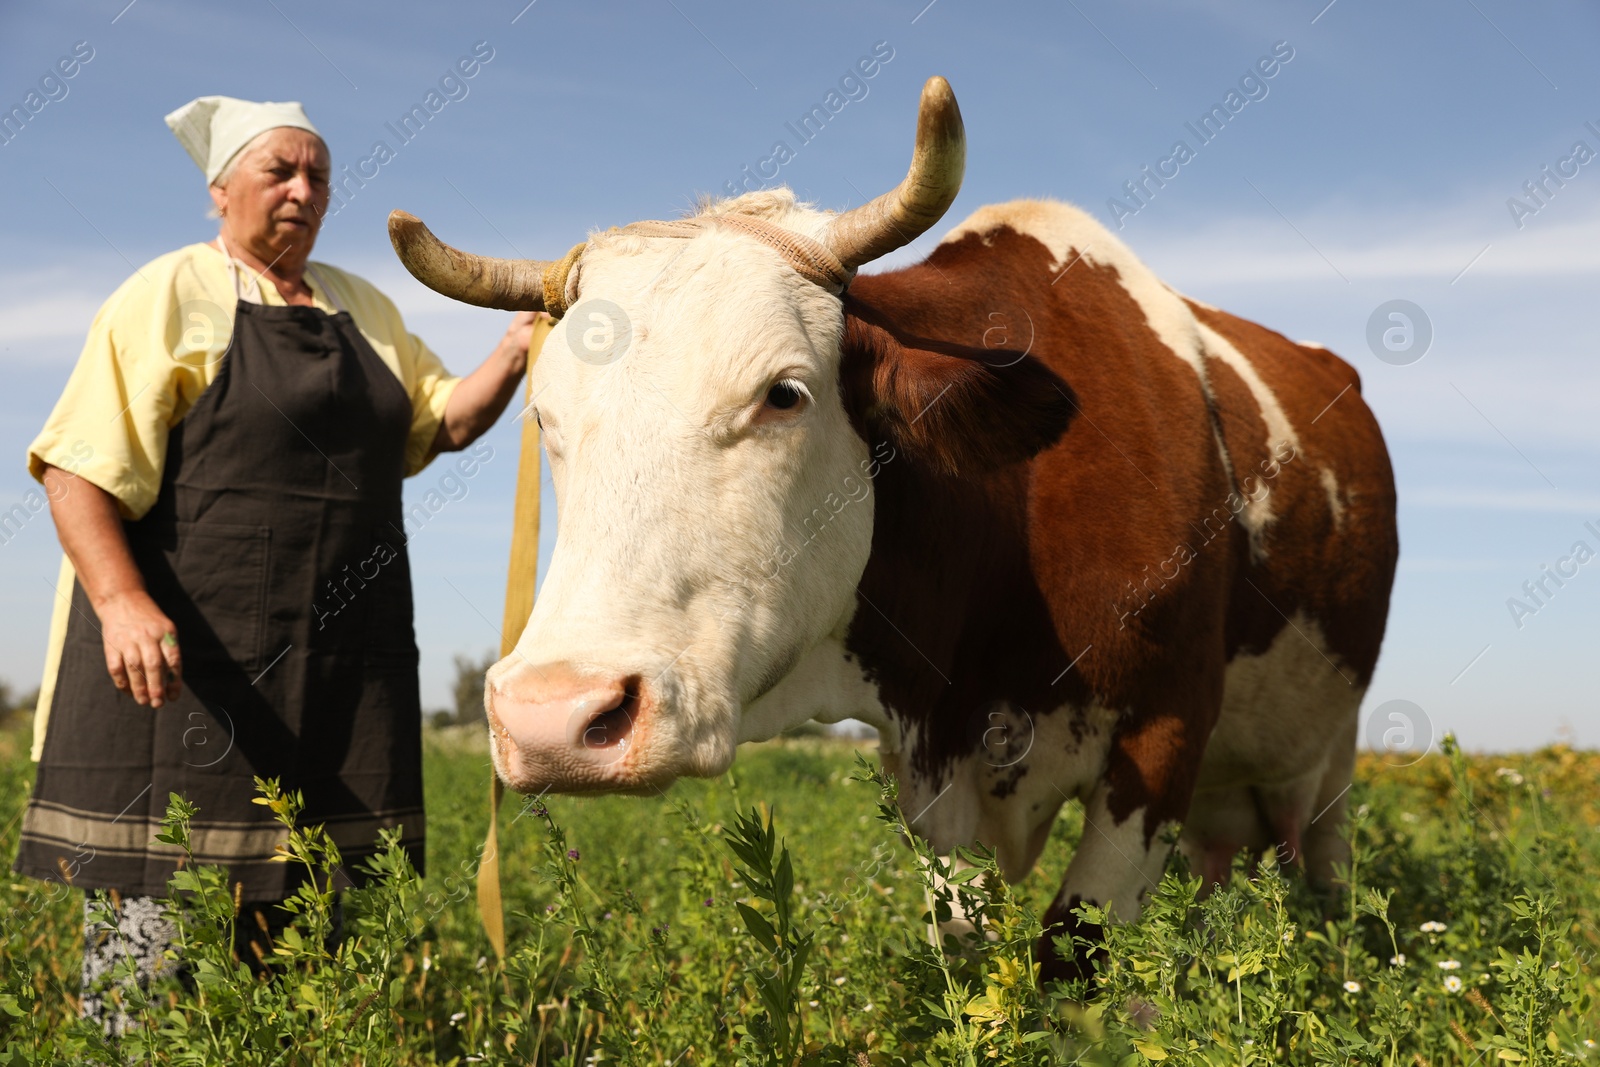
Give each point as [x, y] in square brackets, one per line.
[224, 468]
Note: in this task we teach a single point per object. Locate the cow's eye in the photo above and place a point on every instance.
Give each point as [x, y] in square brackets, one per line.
[785, 395]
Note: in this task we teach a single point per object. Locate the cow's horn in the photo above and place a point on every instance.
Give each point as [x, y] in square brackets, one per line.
[507, 284]
[905, 212]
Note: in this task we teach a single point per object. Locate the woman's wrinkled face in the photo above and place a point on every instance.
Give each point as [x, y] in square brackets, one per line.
[277, 194]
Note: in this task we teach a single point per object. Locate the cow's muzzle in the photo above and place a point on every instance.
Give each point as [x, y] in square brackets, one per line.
[555, 728]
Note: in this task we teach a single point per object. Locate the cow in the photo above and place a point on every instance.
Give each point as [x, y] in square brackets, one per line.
[1057, 531]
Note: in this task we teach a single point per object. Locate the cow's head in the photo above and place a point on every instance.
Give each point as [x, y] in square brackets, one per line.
[713, 411]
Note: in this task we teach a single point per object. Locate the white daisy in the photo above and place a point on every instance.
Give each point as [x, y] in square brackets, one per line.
[1449, 965]
[1398, 960]
[1352, 987]
[1452, 984]
[1432, 927]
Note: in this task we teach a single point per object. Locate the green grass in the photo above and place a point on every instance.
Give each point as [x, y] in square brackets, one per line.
[778, 915]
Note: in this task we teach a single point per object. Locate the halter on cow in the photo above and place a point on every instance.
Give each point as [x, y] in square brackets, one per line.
[1057, 531]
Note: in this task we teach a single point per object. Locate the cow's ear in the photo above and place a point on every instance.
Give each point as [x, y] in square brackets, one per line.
[959, 410]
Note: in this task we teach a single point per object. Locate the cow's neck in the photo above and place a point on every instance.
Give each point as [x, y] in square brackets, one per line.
[828, 684]
[949, 618]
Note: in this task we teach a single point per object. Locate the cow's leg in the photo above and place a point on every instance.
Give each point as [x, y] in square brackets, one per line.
[1115, 864]
[1325, 844]
[960, 926]
[1145, 791]
[1221, 821]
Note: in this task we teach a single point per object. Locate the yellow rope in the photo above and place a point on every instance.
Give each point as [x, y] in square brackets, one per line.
[521, 576]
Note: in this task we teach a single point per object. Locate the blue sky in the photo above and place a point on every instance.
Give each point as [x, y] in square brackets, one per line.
[1377, 166]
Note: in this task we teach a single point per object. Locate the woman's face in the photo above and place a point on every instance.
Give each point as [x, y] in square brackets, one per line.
[276, 197]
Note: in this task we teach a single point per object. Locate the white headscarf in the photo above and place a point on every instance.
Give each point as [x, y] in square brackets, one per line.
[212, 129]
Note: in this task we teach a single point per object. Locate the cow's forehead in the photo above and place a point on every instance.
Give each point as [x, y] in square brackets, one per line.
[709, 317]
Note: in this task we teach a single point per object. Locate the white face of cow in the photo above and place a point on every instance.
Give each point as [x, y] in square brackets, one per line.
[714, 511]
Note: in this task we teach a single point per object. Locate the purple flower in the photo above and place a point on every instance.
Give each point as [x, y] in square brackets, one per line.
[709, 902]
[572, 853]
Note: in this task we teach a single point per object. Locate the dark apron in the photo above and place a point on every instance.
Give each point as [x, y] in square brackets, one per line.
[276, 546]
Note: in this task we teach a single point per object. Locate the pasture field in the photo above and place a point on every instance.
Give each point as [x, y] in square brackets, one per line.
[688, 930]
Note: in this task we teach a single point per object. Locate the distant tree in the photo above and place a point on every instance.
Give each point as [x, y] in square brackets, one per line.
[469, 687]
[13, 707]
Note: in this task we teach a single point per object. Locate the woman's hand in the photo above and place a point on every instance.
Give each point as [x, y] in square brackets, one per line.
[513, 347]
[481, 396]
[140, 641]
[141, 648]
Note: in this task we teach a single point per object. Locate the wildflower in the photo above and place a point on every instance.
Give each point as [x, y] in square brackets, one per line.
[811, 1003]
[1588, 1043]
[1432, 927]
[1352, 987]
[1288, 935]
[1398, 960]
[483, 961]
[607, 915]
[455, 1020]
[839, 980]
[1408, 816]
[1452, 984]
[1449, 965]
[572, 854]
[708, 902]
[1509, 775]
[867, 1008]
[427, 963]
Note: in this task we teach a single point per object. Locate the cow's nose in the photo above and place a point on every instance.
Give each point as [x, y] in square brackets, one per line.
[558, 728]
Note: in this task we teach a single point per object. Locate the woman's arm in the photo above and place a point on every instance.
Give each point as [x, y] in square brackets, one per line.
[140, 641]
[482, 395]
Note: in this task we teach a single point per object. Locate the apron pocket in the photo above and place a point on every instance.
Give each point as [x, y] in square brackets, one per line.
[220, 574]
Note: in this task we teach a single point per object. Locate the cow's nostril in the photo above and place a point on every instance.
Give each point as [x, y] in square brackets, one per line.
[612, 728]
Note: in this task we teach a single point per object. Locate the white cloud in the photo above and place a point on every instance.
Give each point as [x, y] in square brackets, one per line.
[1372, 246]
[1547, 501]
